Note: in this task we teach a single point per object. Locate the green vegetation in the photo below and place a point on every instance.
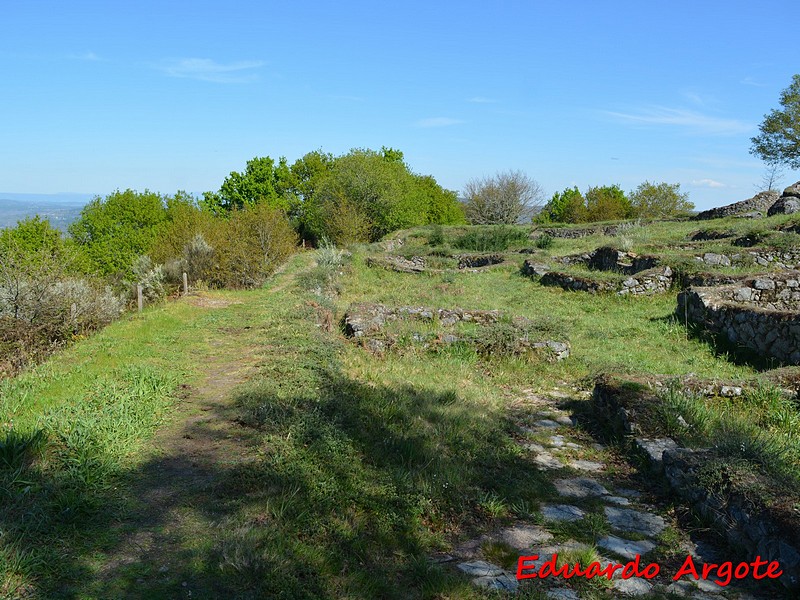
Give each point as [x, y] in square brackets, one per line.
[778, 141]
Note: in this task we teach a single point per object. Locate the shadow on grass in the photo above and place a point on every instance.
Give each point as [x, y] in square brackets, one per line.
[721, 346]
[342, 490]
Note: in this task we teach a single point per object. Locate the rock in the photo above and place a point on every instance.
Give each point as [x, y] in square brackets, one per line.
[547, 461]
[504, 582]
[714, 259]
[562, 512]
[481, 568]
[632, 587]
[523, 537]
[654, 448]
[534, 269]
[580, 487]
[586, 465]
[561, 594]
[626, 548]
[792, 190]
[627, 519]
[785, 205]
[546, 423]
[618, 500]
[756, 205]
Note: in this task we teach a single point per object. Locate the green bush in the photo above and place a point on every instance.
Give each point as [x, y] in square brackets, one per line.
[491, 239]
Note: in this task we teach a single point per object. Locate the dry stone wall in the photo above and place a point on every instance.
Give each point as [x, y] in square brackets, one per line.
[366, 322]
[760, 313]
[771, 532]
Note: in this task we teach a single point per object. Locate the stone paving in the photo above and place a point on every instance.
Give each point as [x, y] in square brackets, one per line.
[586, 495]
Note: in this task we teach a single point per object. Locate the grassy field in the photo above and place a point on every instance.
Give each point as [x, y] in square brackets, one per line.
[336, 472]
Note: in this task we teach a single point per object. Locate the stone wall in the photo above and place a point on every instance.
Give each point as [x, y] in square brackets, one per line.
[760, 313]
[366, 321]
[643, 283]
[474, 261]
[759, 203]
[754, 528]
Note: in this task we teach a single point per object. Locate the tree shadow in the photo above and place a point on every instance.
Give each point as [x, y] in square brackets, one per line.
[342, 491]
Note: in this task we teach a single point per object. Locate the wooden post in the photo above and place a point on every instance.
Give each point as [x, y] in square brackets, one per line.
[185, 283]
[139, 298]
[304, 243]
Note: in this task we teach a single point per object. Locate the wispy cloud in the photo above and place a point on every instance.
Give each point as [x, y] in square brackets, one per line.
[752, 81]
[709, 183]
[689, 120]
[89, 56]
[204, 69]
[437, 122]
[481, 100]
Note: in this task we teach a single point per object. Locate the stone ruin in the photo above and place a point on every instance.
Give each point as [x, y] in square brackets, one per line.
[366, 322]
[645, 277]
[762, 204]
[418, 264]
[760, 313]
[771, 531]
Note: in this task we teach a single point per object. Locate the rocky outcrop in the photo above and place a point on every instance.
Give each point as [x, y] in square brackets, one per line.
[760, 203]
[785, 205]
[608, 258]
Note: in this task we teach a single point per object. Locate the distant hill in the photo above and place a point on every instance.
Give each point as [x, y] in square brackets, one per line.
[60, 212]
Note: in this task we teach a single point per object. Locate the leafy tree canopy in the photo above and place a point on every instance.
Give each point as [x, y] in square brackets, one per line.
[115, 230]
[607, 203]
[568, 206]
[658, 200]
[504, 198]
[779, 137]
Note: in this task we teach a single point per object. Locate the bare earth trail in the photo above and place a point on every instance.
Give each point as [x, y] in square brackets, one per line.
[174, 494]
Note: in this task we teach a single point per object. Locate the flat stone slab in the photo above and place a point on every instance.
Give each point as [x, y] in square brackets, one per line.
[627, 548]
[534, 447]
[557, 441]
[618, 500]
[587, 465]
[546, 460]
[523, 537]
[580, 487]
[562, 512]
[504, 582]
[562, 594]
[654, 448]
[632, 587]
[627, 519]
[565, 420]
[481, 568]
[547, 423]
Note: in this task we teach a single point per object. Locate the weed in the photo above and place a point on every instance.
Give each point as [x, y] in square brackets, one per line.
[491, 238]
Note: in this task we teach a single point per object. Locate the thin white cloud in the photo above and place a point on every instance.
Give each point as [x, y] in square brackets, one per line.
[691, 121]
[437, 122]
[89, 56]
[481, 100]
[709, 183]
[204, 69]
[751, 81]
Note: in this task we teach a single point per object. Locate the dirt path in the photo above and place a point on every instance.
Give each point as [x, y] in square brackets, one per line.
[175, 496]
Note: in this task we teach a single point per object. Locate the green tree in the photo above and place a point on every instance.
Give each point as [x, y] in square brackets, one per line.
[263, 181]
[658, 200]
[779, 137]
[568, 206]
[115, 230]
[607, 203]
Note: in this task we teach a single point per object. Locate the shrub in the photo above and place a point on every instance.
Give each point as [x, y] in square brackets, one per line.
[250, 245]
[491, 239]
[151, 277]
[544, 241]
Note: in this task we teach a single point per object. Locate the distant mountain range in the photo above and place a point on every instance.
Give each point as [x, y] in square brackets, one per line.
[59, 209]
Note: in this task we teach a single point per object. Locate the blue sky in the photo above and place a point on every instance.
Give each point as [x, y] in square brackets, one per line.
[166, 96]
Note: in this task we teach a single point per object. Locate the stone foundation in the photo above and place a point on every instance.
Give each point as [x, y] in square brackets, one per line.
[759, 313]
